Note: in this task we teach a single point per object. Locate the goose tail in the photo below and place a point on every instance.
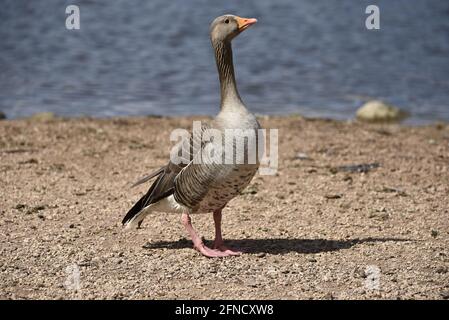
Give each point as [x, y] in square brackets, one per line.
[135, 215]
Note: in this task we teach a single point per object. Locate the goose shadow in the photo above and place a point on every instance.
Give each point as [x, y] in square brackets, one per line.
[279, 245]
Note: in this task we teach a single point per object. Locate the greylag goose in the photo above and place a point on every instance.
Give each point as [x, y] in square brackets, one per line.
[207, 186]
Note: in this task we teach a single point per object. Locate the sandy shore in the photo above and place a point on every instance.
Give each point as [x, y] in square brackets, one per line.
[312, 231]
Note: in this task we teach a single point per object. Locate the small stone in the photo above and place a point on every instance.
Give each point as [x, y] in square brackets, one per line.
[333, 196]
[2, 115]
[398, 191]
[272, 273]
[356, 168]
[359, 273]
[29, 161]
[36, 209]
[434, 233]
[302, 156]
[441, 269]
[250, 190]
[329, 296]
[21, 206]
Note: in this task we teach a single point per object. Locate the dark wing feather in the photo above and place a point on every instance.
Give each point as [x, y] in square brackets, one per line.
[148, 177]
[139, 205]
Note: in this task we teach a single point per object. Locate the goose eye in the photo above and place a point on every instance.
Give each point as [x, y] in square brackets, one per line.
[226, 21]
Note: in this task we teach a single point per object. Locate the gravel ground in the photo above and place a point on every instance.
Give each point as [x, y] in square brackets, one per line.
[313, 231]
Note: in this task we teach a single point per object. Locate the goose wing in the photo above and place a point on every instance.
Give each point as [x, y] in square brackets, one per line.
[163, 186]
[194, 181]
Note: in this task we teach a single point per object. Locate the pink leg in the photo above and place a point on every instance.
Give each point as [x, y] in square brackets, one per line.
[219, 243]
[197, 242]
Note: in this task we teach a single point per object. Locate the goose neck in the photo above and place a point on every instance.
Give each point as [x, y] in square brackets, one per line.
[225, 66]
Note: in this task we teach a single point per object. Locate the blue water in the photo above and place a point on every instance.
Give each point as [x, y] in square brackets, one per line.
[143, 57]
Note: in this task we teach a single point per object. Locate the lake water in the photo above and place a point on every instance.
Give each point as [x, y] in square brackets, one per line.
[140, 57]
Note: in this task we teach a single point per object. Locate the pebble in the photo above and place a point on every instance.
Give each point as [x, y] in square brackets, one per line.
[20, 206]
[441, 269]
[333, 196]
[302, 156]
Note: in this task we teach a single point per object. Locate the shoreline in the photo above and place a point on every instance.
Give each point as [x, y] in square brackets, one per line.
[311, 231]
[50, 116]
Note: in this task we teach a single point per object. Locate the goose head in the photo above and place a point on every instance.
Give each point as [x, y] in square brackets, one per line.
[227, 27]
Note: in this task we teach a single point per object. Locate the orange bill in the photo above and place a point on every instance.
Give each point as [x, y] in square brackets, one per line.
[244, 23]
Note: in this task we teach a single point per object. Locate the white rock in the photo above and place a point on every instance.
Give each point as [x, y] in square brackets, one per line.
[43, 116]
[378, 111]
